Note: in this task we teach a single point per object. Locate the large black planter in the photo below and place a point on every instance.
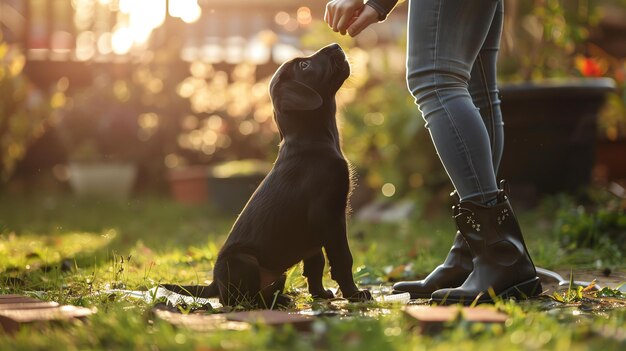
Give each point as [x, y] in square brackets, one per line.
[550, 132]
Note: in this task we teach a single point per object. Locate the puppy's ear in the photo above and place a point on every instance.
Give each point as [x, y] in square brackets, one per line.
[294, 95]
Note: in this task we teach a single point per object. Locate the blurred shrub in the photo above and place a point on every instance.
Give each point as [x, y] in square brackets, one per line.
[229, 115]
[386, 139]
[600, 225]
[549, 39]
[24, 110]
[542, 37]
[101, 123]
[166, 112]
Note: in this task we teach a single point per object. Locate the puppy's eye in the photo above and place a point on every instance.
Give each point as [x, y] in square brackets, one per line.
[304, 65]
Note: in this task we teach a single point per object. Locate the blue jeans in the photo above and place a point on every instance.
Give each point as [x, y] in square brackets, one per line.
[451, 72]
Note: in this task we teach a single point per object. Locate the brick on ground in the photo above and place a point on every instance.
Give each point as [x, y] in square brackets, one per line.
[17, 310]
[434, 318]
[235, 320]
[273, 318]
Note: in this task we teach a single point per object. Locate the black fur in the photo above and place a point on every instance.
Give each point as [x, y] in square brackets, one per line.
[300, 207]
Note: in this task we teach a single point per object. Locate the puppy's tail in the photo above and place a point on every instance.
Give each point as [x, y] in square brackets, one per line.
[203, 291]
[212, 290]
[237, 278]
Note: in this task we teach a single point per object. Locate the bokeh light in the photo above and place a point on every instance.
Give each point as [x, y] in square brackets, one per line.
[282, 18]
[121, 41]
[304, 15]
[388, 189]
[187, 10]
[85, 45]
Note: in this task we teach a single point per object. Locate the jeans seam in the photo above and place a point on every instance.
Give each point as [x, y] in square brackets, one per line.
[465, 150]
[489, 101]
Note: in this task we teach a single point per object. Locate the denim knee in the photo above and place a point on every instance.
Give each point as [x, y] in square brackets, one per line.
[432, 89]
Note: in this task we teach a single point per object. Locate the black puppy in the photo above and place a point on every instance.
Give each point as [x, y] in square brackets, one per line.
[300, 207]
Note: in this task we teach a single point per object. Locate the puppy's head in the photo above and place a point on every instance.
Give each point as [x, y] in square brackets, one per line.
[306, 83]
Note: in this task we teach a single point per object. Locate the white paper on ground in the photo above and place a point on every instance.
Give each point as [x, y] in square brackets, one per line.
[402, 298]
[173, 298]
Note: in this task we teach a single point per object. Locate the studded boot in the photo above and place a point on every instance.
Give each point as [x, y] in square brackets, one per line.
[502, 266]
[451, 273]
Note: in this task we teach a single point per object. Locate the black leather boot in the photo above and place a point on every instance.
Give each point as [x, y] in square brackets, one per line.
[502, 266]
[450, 274]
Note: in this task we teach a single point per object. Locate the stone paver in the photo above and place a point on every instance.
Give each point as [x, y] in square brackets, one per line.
[17, 310]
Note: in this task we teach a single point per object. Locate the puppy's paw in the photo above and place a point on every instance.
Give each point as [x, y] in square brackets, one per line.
[359, 296]
[323, 294]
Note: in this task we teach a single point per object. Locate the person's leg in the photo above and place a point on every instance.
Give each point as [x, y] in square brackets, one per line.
[439, 63]
[502, 264]
[484, 89]
[445, 38]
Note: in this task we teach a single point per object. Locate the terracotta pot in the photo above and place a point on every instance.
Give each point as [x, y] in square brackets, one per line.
[188, 185]
[611, 159]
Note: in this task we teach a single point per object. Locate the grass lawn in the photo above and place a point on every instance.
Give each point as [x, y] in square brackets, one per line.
[70, 251]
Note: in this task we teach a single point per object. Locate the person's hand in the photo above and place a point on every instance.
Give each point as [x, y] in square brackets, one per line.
[349, 16]
[367, 16]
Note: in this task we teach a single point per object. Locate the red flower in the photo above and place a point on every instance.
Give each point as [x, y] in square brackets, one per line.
[590, 67]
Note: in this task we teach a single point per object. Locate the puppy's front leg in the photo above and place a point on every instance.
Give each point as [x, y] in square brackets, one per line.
[340, 260]
[313, 271]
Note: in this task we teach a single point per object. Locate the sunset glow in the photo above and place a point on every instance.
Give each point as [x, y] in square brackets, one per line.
[187, 10]
[139, 18]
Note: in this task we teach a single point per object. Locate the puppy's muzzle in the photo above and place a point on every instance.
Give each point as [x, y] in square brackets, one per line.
[338, 57]
[339, 60]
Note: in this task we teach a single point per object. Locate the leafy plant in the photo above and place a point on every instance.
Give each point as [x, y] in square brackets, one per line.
[102, 122]
[600, 226]
[573, 293]
[25, 111]
[541, 37]
[609, 292]
[228, 115]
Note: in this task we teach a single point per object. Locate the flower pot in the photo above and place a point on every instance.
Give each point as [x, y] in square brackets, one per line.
[550, 133]
[611, 159]
[188, 185]
[232, 183]
[231, 194]
[102, 179]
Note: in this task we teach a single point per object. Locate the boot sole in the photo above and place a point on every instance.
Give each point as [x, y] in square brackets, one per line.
[521, 291]
[413, 295]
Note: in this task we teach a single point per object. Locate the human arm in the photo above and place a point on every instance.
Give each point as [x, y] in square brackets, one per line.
[383, 7]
